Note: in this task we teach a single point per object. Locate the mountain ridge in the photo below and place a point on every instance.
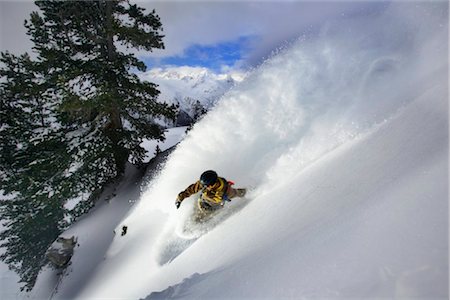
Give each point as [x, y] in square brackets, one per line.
[190, 86]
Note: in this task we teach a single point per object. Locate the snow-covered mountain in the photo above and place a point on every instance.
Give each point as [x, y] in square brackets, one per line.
[343, 140]
[187, 86]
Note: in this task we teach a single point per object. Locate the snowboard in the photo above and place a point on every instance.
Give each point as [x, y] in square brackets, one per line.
[197, 224]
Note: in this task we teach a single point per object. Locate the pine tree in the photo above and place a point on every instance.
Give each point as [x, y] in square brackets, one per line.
[33, 158]
[198, 110]
[157, 150]
[71, 119]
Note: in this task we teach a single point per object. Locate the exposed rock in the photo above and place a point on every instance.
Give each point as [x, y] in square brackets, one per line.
[183, 119]
[61, 251]
[124, 230]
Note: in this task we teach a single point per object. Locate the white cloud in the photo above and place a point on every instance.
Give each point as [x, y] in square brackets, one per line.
[188, 23]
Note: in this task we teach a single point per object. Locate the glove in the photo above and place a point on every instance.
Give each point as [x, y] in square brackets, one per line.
[178, 202]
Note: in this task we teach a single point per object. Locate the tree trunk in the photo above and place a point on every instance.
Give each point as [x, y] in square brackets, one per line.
[109, 31]
[115, 126]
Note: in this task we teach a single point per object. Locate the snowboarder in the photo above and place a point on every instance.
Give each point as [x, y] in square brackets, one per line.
[215, 191]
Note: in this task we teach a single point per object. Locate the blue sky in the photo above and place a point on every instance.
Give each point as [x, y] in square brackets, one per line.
[215, 56]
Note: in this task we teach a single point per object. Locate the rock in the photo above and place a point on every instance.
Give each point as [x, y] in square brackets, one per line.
[183, 119]
[124, 230]
[61, 251]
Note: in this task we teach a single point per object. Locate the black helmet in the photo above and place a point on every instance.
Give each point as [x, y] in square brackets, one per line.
[208, 177]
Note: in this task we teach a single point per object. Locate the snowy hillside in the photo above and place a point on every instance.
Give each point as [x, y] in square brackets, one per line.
[343, 140]
[187, 85]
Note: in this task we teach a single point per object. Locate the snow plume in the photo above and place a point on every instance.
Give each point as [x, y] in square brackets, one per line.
[307, 100]
[334, 134]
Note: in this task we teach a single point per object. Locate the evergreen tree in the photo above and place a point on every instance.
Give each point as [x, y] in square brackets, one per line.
[33, 158]
[71, 119]
[199, 111]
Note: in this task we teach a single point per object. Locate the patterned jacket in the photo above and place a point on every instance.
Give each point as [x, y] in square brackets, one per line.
[213, 195]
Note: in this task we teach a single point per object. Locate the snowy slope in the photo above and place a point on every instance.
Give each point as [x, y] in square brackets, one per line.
[343, 138]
